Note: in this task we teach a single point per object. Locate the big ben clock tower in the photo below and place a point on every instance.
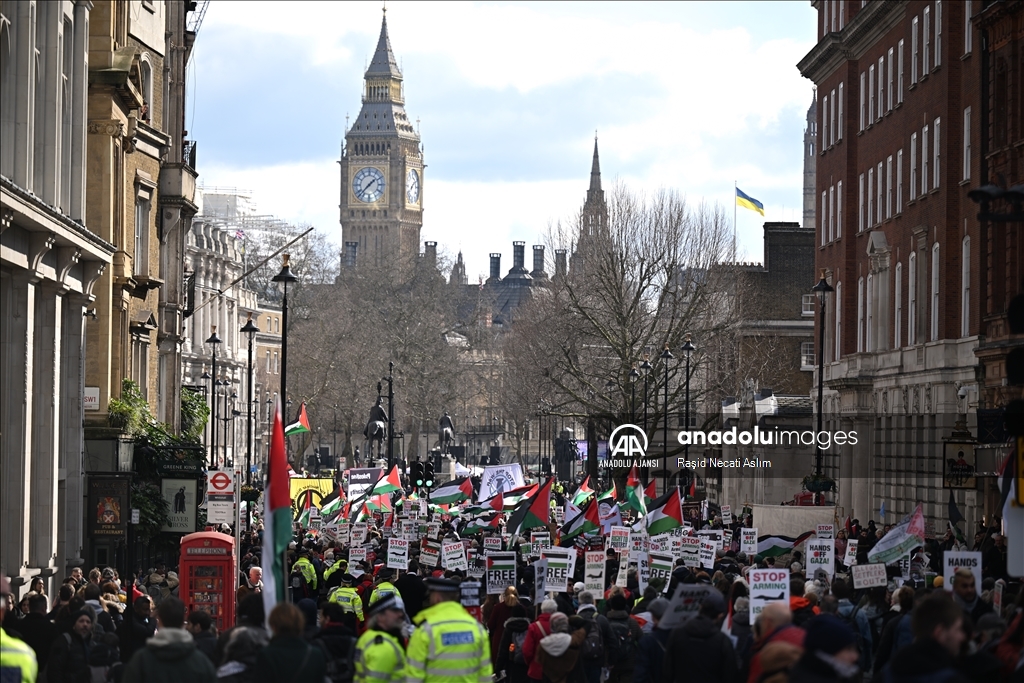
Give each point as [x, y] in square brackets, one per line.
[381, 170]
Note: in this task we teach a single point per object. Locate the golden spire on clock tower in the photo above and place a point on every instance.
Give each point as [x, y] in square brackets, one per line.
[381, 169]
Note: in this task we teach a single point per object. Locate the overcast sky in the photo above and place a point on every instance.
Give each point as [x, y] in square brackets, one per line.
[690, 96]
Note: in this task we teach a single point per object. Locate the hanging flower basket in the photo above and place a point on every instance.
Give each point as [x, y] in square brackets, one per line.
[819, 483]
[250, 494]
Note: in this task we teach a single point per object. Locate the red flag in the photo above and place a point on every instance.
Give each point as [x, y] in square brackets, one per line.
[693, 487]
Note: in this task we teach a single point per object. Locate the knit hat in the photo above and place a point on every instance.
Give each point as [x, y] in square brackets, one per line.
[937, 582]
[829, 634]
[658, 607]
[83, 613]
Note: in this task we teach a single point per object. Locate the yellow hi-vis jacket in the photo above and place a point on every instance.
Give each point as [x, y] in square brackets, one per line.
[307, 569]
[448, 646]
[348, 598]
[17, 660]
[379, 657]
[384, 588]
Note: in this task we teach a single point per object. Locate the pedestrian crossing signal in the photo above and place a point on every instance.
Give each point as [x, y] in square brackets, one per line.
[417, 473]
[428, 475]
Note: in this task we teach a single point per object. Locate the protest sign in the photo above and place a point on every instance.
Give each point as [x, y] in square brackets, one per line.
[748, 541]
[955, 559]
[684, 605]
[359, 532]
[676, 536]
[344, 533]
[398, 553]
[643, 571]
[453, 556]
[869, 575]
[767, 586]
[356, 553]
[501, 571]
[661, 565]
[712, 536]
[997, 597]
[726, 515]
[434, 530]
[540, 578]
[662, 543]
[620, 538]
[526, 549]
[638, 542]
[492, 543]
[430, 553]
[540, 540]
[622, 577]
[690, 551]
[410, 529]
[561, 564]
[707, 555]
[851, 553]
[593, 572]
[826, 531]
[821, 554]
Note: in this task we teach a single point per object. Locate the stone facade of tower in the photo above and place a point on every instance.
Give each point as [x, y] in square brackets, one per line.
[810, 158]
[381, 170]
[593, 216]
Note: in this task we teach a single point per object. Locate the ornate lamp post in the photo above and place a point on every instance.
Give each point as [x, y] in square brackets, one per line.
[646, 367]
[666, 356]
[249, 330]
[822, 289]
[688, 349]
[634, 375]
[213, 341]
[285, 277]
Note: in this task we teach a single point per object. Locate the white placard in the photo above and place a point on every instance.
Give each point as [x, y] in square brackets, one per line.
[410, 529]
[850, 559]
[358, 533]
[997, 597]
[767, 586]
[492, 543]
[593, 572]
[662, 543]
[869, 575]
[643, 571]
[91, 398]
[660, 567]
[430, 554]
[712, 536]
[501, 571]
[954, 559]
[398, 553]
[540, 540]
[453, 556]
[690, 551]
[638, 542]
[620, 538]
[622, 578]
[821, 554]
[356, 554]
[748, 541]
[434, 530]
[560, 567]
[540, 580]
[826, 531]
[344, 533]
[707, 555]
[684, 605]
[726, 515]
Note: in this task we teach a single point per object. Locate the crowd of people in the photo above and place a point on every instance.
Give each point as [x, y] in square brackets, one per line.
[349, 617]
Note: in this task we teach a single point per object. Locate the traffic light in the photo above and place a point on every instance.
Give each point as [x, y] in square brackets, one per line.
[417, 473]
[428, 475]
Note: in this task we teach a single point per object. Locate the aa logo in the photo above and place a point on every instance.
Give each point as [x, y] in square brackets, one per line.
[628, 441]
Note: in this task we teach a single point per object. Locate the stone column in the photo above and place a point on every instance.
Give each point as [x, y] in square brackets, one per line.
[17, 339]
[72, 445]
[45, 426]
[25, 95]
[79, 108]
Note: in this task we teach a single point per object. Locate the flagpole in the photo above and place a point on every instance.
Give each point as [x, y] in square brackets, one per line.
[735, 186]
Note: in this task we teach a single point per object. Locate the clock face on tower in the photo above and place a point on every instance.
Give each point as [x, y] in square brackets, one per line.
[368, 184]
[412, 186]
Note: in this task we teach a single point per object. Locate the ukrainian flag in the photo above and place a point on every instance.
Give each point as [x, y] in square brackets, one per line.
[748, 202]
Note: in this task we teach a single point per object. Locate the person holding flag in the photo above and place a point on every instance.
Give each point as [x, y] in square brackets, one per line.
[277, 518]
[635, 496]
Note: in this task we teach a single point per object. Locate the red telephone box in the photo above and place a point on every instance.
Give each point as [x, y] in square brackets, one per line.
[208, 576]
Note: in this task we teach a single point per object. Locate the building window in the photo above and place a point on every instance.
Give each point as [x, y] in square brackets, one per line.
[140, 363]
[965, 287]
[832, 119]
[913, 51]
[912, 299]
[860, 205]
[880, 193]
[938, 33]
[839, 320]
[269, 323]
[881, 88]
[839, 209]
[839, 125]
[277, 325]
[871, 202]
[935, 152]
[146, 75]
[899, 80]
[824, 216]
[831, 213]
[888, 80]
[935, 292]
[899, 181]
[869, 315]
[824, 123]
[888, 187]
[926, 40]
[140, 257]
[968, 42]
[924, 160]
[860, 315]
[967, 143]
[871, 94]
[268, 362]
[807, 305]
[806, 355]
[863, 92]
[913, 166]
[898, 316]
[277, 368]
[842, 14]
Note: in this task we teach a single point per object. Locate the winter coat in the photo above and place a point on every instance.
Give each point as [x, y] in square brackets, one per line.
[38, 632]
[744, 636]
[651, 655]
[413, 592]
[793, 635]
[623, 664]
[134, 634]
[496, 625]
[68, 661]
[169, 656]
[206, 642]
[812, 668]
[607, 637]
[282, 660]
[922, 661]
[537, 630]
[777, 660]
[515, 673]
[699, 651]
[559, 653]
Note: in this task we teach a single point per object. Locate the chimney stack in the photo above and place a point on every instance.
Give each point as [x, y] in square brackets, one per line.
[495, 267]
[538, 262]
[519, 255]
[561, 266]
[351, 250]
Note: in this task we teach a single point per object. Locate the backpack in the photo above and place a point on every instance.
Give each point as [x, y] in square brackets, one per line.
[593, 646]
[627, 645]
[518, 639]
[342, 668]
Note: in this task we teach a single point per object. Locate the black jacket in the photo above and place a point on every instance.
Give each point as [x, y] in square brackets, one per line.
[516, 673]
[69, 659]
[338, 644]
[651, 655]
[413, 592]
[206, 642]
[698, 651]
[134, 634]
[924, 660]
[38, 632]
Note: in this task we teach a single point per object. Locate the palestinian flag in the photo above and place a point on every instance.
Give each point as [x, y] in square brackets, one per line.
[650, 493]
[389, 521]
[331, 505]
[584, 523]
[299, 426]
[363, 514]
[666, 513]
[957, 534]
[583, 492]
[277, 518]
[635, 493]
[495, 503]
[609, 495]
[774, 546]
[307, 509]
[453, 492]
[392, 482]
[381, 503]
[515, 496]
[482, 524]
[501, 564]
[532, 512]
[900, 540]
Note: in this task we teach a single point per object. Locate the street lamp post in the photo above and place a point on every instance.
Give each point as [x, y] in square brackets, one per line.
[213, 341]
[391, 414]
[822, 289]
[666, 356]
[249, 330]
[634, 375]
[284, 277]
[688, 349]
[646, 367]
[334, 442]
[206, 397]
